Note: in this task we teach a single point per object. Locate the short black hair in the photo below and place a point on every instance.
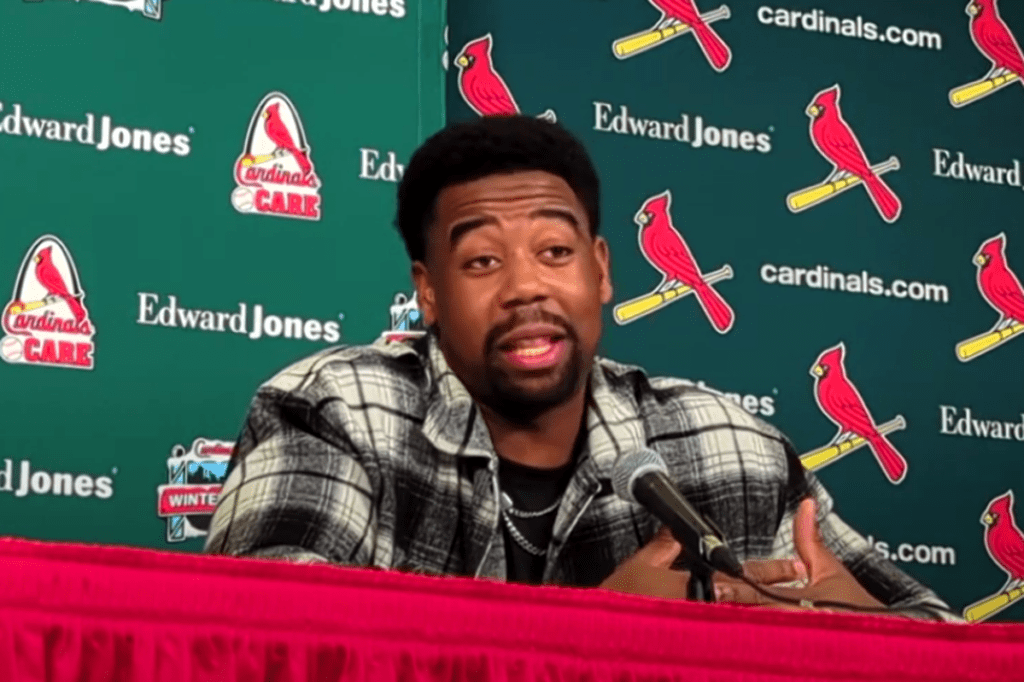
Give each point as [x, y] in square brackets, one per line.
[464, 152]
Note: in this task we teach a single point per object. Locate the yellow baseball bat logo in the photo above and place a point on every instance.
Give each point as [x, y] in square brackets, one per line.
[25, 307]
[803, 199]
[262, 158]
[665, 29]
[816, 459]
[989, 606]
[648, 303]
[965, 94]
[973, 347]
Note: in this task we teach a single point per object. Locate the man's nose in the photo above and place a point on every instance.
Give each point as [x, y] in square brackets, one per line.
[523, 282]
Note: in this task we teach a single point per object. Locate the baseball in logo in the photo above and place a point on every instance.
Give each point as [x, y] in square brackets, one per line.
[482, 87]
[195, 477]
[1001, 289]
[46, 321]
[679, 17]
[667, 251]
[993, 39]
[275, 174]
[842, 403]
[1005, 545]
[151, 9]
[834, 139]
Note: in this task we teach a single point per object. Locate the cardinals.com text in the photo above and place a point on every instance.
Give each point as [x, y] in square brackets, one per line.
[907, 553]
[817, 21]
[822, 277]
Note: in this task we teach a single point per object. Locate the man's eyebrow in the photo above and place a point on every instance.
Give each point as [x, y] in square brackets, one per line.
[459, 230]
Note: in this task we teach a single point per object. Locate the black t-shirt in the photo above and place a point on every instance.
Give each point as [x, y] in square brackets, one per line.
[530, 490]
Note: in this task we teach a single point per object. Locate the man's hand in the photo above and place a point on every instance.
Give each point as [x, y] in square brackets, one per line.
[649, 572]
[825, 578]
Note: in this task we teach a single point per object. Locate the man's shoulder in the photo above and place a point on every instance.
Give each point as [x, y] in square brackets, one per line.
[380, 367]
[673, 405]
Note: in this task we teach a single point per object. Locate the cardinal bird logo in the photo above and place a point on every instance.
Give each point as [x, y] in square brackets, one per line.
[665, 249]
[482, 87]
[1005, 545]
[151, 9]
[275, 174]
[834, 139]
[1001, 289]
[679, 17]
[842, 403]
[46, 321]
[993, 39]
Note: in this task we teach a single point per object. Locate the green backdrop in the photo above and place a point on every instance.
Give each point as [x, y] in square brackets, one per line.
[729, 204]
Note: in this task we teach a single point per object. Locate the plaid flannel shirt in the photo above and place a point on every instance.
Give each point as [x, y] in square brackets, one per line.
[377, 456]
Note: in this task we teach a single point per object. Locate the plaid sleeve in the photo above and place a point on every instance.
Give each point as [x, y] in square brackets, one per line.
[297, 488]
[877, 575]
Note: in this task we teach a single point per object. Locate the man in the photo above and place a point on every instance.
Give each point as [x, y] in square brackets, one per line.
[485, 447]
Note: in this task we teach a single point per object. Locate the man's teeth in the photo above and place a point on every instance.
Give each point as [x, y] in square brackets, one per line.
[531, 347]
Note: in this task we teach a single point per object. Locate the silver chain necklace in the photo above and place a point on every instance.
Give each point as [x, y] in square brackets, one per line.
[508, 511]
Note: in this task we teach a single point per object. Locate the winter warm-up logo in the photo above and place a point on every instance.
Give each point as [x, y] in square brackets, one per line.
[841, 402]
[151, 9]
[1005, 544]
[666, 250]
[993, 39]
[275, 174]
[679, 17]
[1001, 289]
[406, 319]
[195, 477]
[46, 322]
[834, 139]
[483, 89]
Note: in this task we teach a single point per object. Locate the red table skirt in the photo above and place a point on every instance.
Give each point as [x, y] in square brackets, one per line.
[80, 613]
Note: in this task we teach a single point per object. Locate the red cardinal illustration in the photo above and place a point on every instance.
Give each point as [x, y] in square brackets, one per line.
[1003, 539]
[714, 48]
[279, 135]
[997, 283]
[994, 39]
[481, 86]
[483, 89]
[839, 399]
[835, 141]
[664, 247]
[49, 277]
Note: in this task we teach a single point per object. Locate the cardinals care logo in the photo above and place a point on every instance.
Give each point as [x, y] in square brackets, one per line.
[677, 18]
[834, 139]
[275, 174]
[482, 88]
[46, 322]
[666, 250]
[841, 402]
[993, 39]
[195, 477]
[1001, 289]
[1005, 545]
[151, 9]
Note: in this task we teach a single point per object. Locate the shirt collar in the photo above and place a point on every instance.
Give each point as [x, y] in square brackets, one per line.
[453, 423]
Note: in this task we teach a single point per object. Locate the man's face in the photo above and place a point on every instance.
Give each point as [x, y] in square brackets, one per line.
[514, 283]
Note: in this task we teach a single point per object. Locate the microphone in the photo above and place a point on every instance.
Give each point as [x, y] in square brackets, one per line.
[641, 477]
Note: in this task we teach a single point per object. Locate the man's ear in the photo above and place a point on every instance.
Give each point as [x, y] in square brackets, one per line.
[602, 258]
[425, 295]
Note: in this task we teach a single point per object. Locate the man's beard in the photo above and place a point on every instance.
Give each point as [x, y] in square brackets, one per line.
[516, 400]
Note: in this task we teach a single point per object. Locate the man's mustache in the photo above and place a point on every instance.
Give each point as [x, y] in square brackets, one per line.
[534, 316]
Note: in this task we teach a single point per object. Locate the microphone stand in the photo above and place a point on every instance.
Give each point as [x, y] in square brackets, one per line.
[700, 587]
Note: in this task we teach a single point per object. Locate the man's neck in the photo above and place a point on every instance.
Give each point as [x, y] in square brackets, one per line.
[547, 442]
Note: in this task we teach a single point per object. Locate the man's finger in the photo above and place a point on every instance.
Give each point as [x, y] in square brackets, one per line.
[661, 550]
[807, 539]
[771, 571]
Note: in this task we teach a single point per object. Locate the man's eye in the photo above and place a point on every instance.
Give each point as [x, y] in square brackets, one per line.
[480, 263]
[560, 251]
